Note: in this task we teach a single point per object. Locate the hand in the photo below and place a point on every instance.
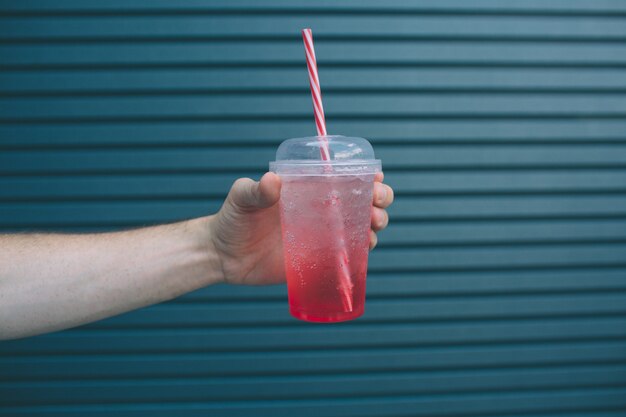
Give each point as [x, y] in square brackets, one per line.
[246, 231]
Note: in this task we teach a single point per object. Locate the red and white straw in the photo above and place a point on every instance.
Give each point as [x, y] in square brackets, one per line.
[345, 281]
[316, 91]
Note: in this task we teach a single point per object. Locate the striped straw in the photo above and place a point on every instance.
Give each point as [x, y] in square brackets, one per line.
[345, 281]
[316, 92]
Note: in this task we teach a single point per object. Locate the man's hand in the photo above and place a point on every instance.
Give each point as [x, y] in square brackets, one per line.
[246, 232]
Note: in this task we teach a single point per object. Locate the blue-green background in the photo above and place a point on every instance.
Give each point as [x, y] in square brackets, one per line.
[499, 289]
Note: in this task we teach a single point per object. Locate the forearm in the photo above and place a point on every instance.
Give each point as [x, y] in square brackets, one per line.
[53, 281]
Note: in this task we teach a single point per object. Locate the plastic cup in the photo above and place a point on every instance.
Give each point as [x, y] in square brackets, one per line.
[325, 208]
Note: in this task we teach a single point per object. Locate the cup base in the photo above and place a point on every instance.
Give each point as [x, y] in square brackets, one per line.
[328, 318]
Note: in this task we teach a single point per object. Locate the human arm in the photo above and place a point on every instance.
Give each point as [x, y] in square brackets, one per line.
[50, 282]
[54, 281]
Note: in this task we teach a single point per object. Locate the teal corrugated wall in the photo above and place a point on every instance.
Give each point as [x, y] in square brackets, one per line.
[499, 289]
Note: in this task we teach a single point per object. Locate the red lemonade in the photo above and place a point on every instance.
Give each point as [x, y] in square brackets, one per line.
[325, 226]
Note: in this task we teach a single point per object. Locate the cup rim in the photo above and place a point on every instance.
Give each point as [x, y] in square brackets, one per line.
[310, 162]
[352, 167]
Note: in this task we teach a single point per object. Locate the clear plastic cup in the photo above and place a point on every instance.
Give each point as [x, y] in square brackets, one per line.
[325, 208]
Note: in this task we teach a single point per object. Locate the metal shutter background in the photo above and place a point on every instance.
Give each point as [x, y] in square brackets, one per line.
[500, 285]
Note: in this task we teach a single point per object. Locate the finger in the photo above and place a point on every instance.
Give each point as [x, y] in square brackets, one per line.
[379, 177]
[380, 219]
[383, 195]
[373, 239]
[248, 194]
[269, 187]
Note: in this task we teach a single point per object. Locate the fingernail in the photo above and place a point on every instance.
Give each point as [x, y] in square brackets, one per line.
[382, 195]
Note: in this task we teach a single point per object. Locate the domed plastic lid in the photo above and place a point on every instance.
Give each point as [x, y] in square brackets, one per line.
[303, 156]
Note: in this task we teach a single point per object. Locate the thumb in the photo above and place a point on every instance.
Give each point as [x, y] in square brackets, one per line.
[248, 194]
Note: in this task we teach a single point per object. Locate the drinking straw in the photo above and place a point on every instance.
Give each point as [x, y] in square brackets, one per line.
[345, 282]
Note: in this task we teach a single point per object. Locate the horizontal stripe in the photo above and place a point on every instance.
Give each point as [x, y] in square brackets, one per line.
[424, 233]
[120, 6]
[446, 285]
[104, 367]
[217, 158]
[605, 65]
[217, 185]
[496, 256]
[290, 53]
[290, 80]
[267, 118]
[256, 132]
[504, 231]
[471, 405]
[191, 92]
[348, 335]
[229, 38]
[59, 110]
[421, 210]
[288, 25]
[415, 310]
[288, 387]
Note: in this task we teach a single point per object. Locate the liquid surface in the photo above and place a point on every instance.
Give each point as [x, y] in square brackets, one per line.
[326, 223]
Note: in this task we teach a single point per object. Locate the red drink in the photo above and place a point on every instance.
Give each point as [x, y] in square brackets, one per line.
[325, 209]
[326, 223]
